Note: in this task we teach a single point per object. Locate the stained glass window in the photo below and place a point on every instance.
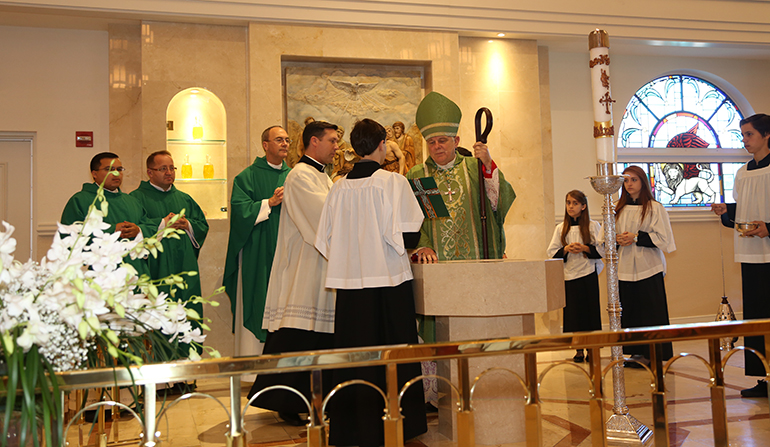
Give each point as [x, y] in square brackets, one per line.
[699, 126]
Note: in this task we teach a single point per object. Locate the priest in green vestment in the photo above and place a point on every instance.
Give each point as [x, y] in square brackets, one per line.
[125, 214]
[163, 200]
[255, 208]
[458, 237]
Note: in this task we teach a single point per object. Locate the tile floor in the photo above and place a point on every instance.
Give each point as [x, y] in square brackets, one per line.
[202, 422]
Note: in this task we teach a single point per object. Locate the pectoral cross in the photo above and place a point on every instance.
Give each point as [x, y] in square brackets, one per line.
[450, 193]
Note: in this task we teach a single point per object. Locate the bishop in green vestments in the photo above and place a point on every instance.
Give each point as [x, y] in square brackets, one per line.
[162, 201]
[458, 237]
[125, 214]
[255, 208]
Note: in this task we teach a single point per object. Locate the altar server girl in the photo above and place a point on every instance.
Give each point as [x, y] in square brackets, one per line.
[643, 235]
[575, 241]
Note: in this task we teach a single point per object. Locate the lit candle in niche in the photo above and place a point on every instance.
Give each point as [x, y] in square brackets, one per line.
[208, 168]
[187, 167]
[197, 130]
[599, 62]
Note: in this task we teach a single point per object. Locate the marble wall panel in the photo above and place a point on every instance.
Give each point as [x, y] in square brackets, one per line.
[125, 67]
[505, 76]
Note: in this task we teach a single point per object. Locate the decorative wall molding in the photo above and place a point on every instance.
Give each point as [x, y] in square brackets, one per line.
[47, 229]
[697, 22]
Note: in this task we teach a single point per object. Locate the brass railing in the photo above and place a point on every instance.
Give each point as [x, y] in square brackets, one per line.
[148, 376]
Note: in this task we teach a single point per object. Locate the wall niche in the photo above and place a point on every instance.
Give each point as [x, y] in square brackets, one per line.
[196, 136]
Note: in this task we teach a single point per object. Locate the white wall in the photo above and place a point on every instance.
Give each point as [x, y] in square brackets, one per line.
[694, 280]
[54, 82]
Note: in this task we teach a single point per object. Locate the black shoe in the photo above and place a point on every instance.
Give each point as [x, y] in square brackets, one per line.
[642, 360]
[292, 419]
[759, 390]
[578, 358]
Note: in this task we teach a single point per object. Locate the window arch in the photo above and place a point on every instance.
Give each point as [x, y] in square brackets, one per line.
[684, 131]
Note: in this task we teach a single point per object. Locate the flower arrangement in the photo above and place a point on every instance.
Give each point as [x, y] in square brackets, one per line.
[82, 304]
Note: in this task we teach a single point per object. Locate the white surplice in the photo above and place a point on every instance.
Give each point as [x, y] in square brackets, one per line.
[752, 196]
[636, 263]
[296, 295]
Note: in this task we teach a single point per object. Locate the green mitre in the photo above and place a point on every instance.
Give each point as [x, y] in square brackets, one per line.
[438, 115]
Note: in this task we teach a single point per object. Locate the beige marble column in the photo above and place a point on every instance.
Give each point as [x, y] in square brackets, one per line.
[125, 67]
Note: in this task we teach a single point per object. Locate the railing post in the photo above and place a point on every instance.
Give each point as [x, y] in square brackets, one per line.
[393, 423]
[718, 403]
[532, 408]
[236, 436]
[659, 413]
[466, 434]
[596, 404]
[149, 414]
[317, 435]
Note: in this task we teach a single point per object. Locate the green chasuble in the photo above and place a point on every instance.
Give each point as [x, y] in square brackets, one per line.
[458, 237]
[255, 242]
[122, 208]
[179, 255]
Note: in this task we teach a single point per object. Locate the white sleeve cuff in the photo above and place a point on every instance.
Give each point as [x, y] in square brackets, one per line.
[264, 212]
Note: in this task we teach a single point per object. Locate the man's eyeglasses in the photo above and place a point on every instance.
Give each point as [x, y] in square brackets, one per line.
[164, 169]
[282, 140]
[112, 169]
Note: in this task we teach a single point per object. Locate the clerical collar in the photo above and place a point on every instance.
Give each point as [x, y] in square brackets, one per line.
[363, 169]
[763, 163]
[449, 165]
[159, 188]
[573, 222]
[312, 162]
[632, 201]
[278, 166]
[117, 190]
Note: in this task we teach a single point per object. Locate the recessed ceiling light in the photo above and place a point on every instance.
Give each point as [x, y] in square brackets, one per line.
[500, 34]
